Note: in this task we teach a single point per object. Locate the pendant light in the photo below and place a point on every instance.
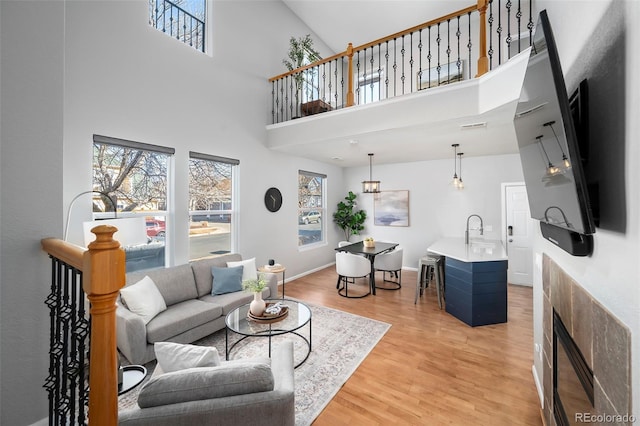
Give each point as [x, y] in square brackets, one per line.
[370, 186]
[460, 183]
[565, 160]
[551, 169]
[456, 181]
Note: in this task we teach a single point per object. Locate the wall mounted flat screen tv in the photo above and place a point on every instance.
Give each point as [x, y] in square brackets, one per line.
[549, 149]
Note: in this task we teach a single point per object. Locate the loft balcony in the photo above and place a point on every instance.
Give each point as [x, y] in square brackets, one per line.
[410, 95]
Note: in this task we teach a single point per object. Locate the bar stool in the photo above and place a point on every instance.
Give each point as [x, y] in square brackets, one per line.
[427, 265]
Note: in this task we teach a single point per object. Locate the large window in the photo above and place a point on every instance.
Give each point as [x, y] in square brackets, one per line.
[210, 205]
[369, 89]
[311, 208]
[183, 20]
[136, 176]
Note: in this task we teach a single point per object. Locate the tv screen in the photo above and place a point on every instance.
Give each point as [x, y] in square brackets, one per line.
[549, 148]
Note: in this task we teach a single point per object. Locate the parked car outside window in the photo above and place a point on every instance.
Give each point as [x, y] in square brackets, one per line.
[310, 217]
[156, 228]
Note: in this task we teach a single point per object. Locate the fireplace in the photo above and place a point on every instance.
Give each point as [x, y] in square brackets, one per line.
[573, 379]
[603, 366]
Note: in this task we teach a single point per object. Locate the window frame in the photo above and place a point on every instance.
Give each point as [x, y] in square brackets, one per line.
[159, 214]
[232, 212]
[321, 208]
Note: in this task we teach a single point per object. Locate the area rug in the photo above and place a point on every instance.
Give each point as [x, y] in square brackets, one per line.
[340, 342]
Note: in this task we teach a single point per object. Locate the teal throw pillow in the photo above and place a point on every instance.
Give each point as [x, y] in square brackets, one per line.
[226, 280]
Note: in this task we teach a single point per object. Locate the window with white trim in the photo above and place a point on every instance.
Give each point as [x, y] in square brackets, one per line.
[183, 20]
[211, 205]
[136, 175]
[311, 208]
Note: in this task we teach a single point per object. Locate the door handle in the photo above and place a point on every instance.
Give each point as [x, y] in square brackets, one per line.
[510, 240]
[509, 230]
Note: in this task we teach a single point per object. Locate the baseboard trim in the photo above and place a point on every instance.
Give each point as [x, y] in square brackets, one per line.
[305, 273]
[539, 388]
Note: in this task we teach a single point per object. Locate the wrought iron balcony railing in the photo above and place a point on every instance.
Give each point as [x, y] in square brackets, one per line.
[176, 22]
[445, 50]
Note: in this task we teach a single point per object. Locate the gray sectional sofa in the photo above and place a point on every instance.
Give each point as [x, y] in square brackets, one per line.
[192, 312]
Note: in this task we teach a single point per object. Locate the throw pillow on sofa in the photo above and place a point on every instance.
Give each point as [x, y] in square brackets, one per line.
[176, 356]
[143, 298]
[226, 280]
[196, 384]
[249, 272]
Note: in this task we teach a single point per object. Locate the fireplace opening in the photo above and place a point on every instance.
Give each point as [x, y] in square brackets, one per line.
[572, 378]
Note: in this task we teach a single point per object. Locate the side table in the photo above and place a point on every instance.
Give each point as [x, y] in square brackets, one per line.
[276, 269]
[132, 376]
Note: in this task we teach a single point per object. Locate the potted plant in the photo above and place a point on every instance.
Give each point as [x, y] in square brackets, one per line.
[351, 221]
[258, 305]
[301, 53]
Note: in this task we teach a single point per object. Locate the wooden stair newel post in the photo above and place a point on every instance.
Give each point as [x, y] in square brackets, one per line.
[103, 277]
[483, 60]
[350, 98]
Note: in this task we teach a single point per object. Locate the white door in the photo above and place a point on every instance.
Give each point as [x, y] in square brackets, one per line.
[518, 235]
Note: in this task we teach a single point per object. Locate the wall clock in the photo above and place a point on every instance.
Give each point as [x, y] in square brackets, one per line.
[273, 199]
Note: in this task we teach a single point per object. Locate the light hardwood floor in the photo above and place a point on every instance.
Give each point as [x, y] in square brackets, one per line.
[430, 368]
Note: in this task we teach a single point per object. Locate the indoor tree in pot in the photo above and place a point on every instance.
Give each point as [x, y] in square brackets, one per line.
[301, 52]
[351, 221]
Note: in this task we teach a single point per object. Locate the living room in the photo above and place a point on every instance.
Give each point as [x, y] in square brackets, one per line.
[67, 75]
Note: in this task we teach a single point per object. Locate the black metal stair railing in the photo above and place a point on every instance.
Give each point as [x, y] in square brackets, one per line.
[67, 384]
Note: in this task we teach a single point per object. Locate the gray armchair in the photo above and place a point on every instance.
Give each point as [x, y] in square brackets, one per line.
[198, 396]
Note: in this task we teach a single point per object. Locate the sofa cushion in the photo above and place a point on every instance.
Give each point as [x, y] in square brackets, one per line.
[202, 271]
[181, 317]
[176, 284]
[228, 302]
[196, 384]
[226, 280]
[249, 272]
[144, 299]
[176, 356]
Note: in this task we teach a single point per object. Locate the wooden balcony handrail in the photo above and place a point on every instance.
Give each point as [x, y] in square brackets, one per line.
[427, 24]
[466, 10]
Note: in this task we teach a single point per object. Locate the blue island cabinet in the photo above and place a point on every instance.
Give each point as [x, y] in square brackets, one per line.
[476, 292]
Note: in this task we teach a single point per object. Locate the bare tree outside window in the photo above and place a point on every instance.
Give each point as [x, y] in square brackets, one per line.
[137, 178]
[210, 206]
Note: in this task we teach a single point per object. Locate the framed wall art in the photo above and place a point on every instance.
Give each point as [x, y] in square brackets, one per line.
[391, 208]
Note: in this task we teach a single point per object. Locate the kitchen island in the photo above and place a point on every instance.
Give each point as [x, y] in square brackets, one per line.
[475, 279]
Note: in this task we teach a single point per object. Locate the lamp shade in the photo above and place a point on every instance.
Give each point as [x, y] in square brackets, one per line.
[370, 186]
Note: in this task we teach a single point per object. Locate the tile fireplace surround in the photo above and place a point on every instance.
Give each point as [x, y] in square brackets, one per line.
[604, 341]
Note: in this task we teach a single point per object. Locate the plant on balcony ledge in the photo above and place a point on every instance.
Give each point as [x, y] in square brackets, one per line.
[301, 53]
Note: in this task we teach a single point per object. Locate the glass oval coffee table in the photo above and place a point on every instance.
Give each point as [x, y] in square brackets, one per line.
[239, 322]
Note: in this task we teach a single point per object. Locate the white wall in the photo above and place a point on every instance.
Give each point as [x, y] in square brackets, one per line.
[138, 84]
[32, 40]
[436, 209]
[78, 68]
[597, 35]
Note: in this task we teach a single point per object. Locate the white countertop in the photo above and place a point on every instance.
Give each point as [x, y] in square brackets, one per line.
[478, 250]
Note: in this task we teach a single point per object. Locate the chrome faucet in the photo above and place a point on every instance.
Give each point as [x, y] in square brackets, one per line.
[466, 233]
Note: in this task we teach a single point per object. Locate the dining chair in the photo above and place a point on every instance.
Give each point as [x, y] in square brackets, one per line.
[390, 262]
[344, 243]
[350, 267]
